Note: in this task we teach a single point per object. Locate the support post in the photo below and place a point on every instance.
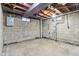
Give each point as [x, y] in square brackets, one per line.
[1, 30]
[40, 28]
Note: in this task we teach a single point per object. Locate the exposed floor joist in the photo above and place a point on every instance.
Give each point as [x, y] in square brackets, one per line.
[36, 8]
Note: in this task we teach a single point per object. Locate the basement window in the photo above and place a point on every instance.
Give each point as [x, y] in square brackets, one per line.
[25, 19]
[59, 18]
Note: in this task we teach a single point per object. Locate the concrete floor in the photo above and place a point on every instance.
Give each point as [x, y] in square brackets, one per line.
[40, 47]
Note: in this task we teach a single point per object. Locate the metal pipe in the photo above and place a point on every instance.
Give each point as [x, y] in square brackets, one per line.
[57, 28]
[56, 32]
[41, 28]
[67, 22]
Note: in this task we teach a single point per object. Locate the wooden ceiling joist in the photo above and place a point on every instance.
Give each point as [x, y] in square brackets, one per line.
[35, 9]
[6, 9]
[14, 6]
[21, 8]
[41, 14]
[25, 5]
[42, 9]
[46, 12]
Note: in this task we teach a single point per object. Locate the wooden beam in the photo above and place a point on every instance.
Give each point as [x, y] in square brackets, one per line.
[63, 9]
[24, 5]
[35, 9]
[6, 9]
[16, 6]
[41, 14]
[47, 13]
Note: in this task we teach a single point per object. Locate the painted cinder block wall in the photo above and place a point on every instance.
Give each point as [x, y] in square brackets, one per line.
[63, 33]
[21, 30]
[71, 34]
[24, 31]
[1, 29]
[48, 28]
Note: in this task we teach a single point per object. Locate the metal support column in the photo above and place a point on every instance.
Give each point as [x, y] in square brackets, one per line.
[56, 30]
[40, 28]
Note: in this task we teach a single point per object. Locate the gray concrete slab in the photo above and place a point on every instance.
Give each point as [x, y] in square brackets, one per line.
[40, 47]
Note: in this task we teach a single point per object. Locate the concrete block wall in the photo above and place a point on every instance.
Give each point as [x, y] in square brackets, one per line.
[49, 28]
[24, 31]
[1, 30]
[63, 33]
[21, 30]
[71, 34]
